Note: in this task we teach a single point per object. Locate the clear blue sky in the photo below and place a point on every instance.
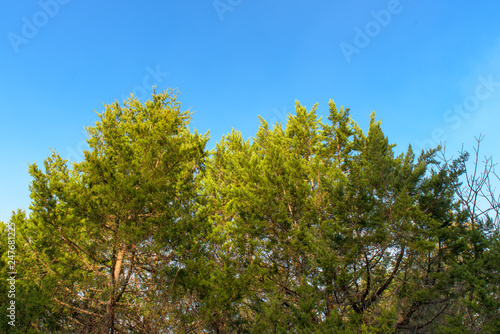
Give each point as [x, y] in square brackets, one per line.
[430, 70]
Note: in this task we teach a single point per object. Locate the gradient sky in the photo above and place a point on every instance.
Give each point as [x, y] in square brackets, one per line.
[430, 70]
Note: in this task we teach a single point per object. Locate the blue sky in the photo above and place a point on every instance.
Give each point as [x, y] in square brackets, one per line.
[431, 71]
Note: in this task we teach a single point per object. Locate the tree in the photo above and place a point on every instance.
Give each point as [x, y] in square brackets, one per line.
[108, 238]
[310, 227]
[320, 227]
[477, 270]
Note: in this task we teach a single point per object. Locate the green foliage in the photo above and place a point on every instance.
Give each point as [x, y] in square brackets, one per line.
[104, 236]
[309, 227]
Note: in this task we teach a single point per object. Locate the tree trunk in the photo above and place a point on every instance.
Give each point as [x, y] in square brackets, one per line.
[108, 324]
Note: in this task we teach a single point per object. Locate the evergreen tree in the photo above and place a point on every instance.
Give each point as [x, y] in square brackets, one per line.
[320, 227]
[309, 227]
[107, 239]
